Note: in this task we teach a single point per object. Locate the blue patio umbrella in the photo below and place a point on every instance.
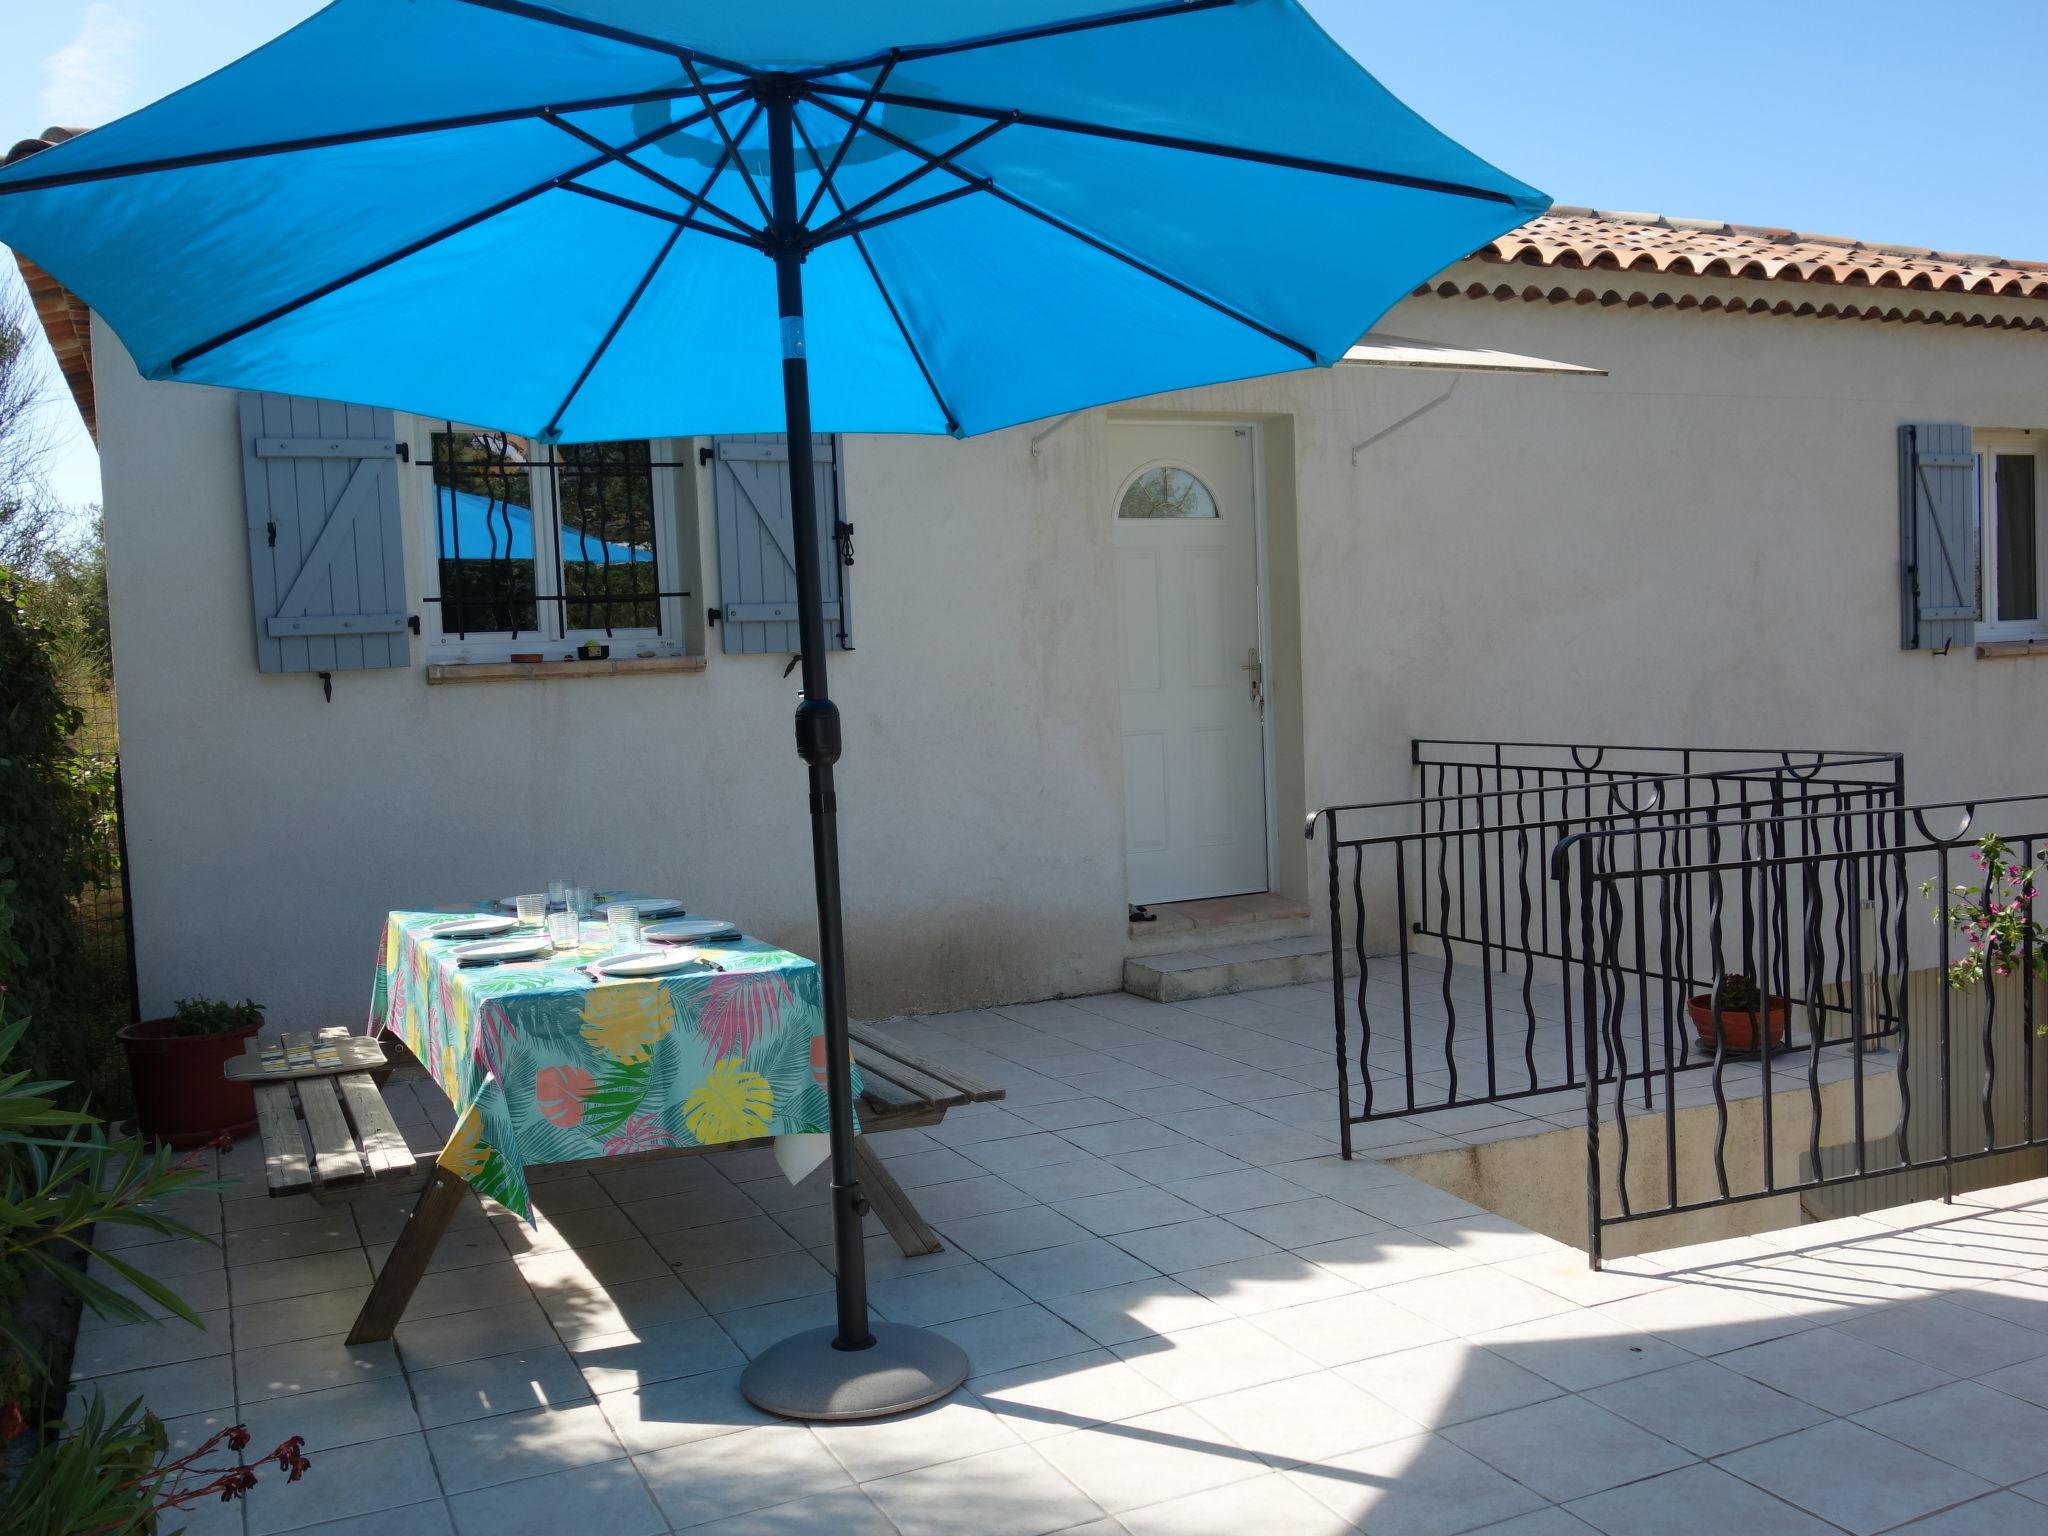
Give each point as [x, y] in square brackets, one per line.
[882, 217]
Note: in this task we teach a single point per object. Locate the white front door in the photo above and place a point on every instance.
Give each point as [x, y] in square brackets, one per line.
[1187, 570]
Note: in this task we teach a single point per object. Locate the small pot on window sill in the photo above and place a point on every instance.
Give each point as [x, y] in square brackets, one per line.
[592, 650]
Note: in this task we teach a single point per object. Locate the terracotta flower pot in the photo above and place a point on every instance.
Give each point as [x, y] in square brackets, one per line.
[1738, 1030]
[181, 1098]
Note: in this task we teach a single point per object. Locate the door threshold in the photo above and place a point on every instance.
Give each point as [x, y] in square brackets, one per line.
[1210, 920]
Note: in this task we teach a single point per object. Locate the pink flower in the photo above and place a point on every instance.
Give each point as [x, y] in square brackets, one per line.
[642, 1133]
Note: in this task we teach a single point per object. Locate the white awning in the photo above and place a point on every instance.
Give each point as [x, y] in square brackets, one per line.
[1377, 351]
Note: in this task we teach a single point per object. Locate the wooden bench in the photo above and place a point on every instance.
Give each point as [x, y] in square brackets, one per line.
[333, 1137]
[322, 1135]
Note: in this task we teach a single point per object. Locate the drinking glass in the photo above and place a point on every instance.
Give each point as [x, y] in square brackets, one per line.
[582, 899]
[532, 910]
[558, 893]
[624, 922]
[565, 929]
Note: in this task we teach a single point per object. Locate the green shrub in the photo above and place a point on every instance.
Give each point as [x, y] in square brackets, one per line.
[61, 1181]
[50, 809]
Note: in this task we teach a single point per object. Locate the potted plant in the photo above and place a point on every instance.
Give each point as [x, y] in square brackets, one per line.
[175, 1064]
[1737, 1003]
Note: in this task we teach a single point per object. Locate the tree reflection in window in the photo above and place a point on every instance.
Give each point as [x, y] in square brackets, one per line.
[606, 497]
[483, 495]
[1167, 492]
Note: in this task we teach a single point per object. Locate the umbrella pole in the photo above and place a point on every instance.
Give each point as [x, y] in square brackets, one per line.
[857, 1368]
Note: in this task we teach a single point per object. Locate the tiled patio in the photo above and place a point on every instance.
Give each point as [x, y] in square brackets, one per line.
[1186, 1316]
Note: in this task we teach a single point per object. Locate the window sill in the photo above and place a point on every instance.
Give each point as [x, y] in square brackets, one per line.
[542, 671]
[1996, 650]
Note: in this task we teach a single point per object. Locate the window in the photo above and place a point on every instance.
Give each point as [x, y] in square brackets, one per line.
[2009, 485]
[532, 549]
[1166, 491]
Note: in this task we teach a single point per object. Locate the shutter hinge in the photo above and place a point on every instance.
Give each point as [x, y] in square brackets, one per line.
[271, 526]
[706, 454]
[404, 453]
[412, 622]
[327, 686]
[711, 618]
[843, 533]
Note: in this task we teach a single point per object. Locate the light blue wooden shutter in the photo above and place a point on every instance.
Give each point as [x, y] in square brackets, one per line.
[326, 552]
[1939, 602]
[756, 553]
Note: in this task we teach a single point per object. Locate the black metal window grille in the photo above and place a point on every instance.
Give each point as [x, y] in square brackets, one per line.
[604, 497]
[593, 534]
[483, 485]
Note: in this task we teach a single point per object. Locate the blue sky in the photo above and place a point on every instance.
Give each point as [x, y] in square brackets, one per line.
[1879, 123]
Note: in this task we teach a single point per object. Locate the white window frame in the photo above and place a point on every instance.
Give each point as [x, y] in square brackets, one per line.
[1990, 446]
[673, 525]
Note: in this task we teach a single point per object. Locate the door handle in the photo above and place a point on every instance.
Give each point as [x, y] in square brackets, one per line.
[1257, 669]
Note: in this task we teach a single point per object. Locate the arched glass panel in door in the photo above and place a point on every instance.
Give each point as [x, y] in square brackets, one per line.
[1166, 491]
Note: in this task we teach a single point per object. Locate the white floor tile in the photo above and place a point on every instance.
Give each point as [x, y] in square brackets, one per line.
[1149, 1459]
[998, 1493]
[483, 1452]
[1222, 1357]
[1861, 1481]
[609, 1497]
[479, 1389]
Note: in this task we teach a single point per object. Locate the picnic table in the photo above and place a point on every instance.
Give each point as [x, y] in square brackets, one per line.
[544, 1063]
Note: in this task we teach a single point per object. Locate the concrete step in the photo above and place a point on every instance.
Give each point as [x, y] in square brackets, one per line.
[1167, 938]
[1236, 967]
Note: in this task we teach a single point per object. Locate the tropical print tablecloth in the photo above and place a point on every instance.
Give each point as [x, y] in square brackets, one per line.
[544, 1065]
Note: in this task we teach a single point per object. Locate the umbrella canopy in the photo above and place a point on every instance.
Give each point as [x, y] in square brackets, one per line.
[969, 215]
[1032, 206]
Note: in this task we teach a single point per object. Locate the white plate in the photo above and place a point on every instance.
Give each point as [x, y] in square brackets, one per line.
[472, 927]
[690, 930]
[644, 962]
[646, 906]
[489, 950]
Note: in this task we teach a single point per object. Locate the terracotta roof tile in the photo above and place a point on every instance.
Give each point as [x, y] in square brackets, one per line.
[1589, 240]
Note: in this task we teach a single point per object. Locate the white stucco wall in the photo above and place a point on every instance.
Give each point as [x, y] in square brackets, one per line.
[1701, 547]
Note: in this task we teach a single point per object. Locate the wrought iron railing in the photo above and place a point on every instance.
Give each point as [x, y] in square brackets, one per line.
[1826, 910]
[1442, 908]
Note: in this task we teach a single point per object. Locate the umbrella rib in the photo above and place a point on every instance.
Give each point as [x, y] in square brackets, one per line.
[694, 199]
[988, 185]
[1023, 35]
[413, 248]
[1176, 142]
[851, 214]
[841, 228]
[827, 173]
[201, 158]
[882, 288]
[633, 299]
[553, 18]
[634, 205]
[731, 145]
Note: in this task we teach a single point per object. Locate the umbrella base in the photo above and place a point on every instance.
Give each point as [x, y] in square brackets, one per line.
[804, 1377]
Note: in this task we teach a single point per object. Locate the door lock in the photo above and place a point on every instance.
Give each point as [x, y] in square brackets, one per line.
[1257, 669]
